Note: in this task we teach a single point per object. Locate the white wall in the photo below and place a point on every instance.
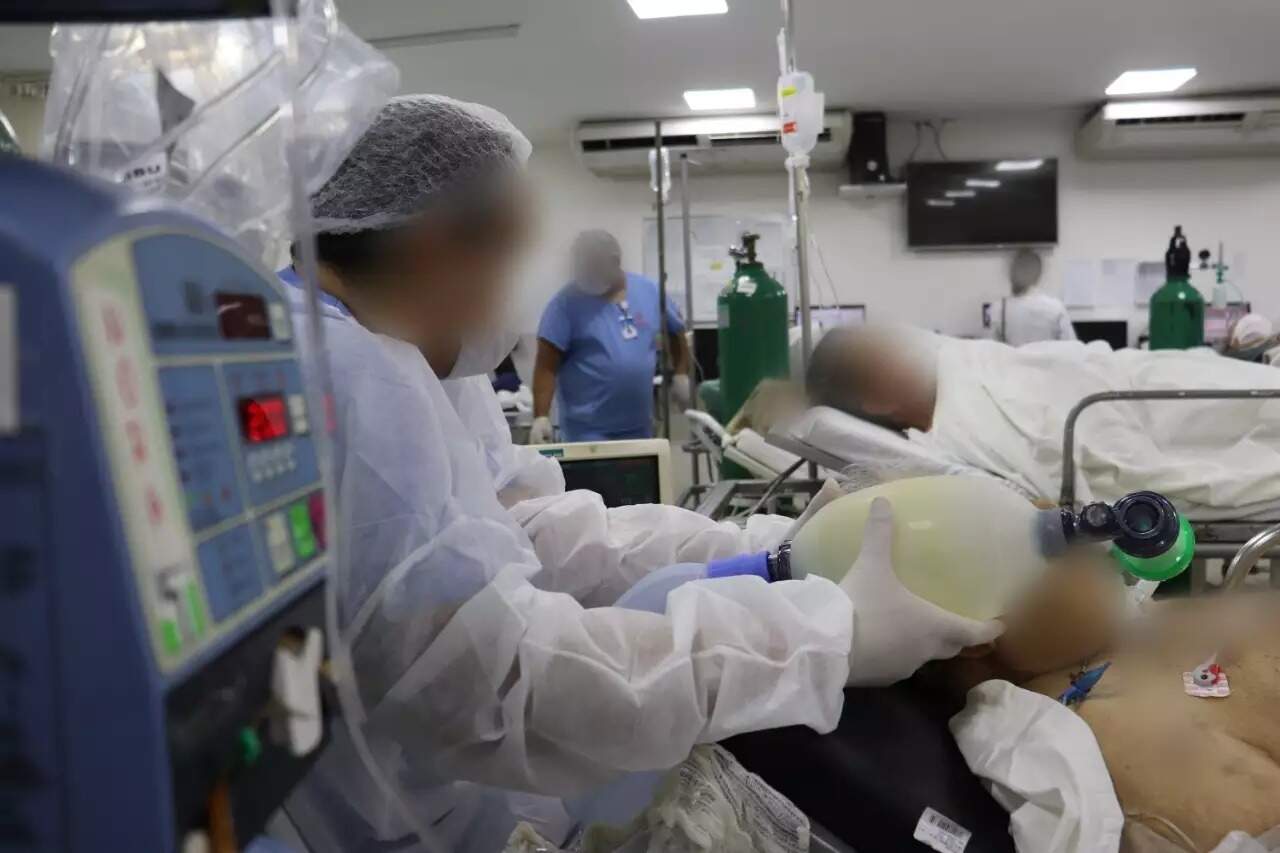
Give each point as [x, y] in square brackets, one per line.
[1106, 209]
[26, 115]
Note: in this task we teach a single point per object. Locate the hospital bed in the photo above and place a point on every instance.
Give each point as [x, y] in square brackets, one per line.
[840, 442]
[890, 765]
[893, 760]
[773, 471]
[1215, 538]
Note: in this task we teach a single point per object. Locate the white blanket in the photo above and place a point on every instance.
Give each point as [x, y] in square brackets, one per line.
[1003, 409]
[1044, 766]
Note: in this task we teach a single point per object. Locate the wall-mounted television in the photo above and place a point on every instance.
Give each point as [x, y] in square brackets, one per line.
[982, 203]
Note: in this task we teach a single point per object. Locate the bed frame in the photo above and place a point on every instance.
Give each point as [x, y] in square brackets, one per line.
[1214, 539]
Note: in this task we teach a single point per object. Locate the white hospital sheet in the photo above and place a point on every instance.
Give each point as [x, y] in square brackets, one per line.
[1003, 410]
[1044, 766]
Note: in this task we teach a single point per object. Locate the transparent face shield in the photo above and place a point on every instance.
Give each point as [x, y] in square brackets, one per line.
[240, 122]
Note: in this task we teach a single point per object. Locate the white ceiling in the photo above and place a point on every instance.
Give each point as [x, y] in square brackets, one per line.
[576, 59]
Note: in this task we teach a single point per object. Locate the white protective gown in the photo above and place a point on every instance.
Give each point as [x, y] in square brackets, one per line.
[592, 552]
[472, 662]
[1031, 317]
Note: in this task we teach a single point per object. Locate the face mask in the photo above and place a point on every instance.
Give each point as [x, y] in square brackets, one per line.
[593, 286]
[482, 353]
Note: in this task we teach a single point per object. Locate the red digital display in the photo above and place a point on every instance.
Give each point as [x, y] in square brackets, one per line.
[263, 419]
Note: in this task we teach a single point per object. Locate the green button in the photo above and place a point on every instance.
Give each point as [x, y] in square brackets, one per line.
[250, 746]
[304, 538]
[170, 636]
[196, 607]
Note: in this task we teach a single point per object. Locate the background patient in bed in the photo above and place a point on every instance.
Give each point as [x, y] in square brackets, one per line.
[883, 374]
[1003, 409]
[1207, 766]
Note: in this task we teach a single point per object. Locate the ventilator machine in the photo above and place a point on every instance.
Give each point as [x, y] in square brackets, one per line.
[164, 548]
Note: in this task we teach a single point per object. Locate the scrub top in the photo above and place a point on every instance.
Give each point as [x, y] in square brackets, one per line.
[1029, 318]
[609, 355]
[290, 277]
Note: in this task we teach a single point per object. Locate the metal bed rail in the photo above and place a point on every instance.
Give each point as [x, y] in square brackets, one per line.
[719, 498]
[1225, 540]
[1068, 495]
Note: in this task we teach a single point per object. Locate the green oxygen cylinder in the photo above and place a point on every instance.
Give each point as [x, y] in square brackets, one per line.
[751, 315]
[1177, 308]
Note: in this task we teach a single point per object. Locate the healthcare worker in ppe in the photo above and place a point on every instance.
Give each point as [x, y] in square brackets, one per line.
[598, 348]
[487, 679]
[1029, 315]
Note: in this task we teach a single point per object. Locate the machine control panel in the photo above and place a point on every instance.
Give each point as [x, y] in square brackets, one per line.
[207, 430]
[163, 611]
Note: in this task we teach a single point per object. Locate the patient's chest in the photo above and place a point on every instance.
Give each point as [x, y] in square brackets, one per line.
[1209, 766]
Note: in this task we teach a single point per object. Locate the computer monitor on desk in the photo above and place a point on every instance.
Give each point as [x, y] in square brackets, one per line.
[622, 472]
[1114, 332]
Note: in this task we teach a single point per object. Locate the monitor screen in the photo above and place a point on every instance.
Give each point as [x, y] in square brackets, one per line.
[1114, 332]
[620, 481]
[829, 317]
[986, 203]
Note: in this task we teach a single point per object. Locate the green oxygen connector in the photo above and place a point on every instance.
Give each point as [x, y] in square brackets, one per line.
[1150, 539]
[1161, 567]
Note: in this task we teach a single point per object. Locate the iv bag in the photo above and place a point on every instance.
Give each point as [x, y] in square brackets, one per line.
[800, 109]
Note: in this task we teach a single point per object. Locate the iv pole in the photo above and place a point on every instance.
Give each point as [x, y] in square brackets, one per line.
[800, 200]
[686, 230]
[799, 180]
[664, 354]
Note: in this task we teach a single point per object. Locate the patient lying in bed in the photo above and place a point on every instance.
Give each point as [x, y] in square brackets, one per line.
[1183, 768]
[1002, 409]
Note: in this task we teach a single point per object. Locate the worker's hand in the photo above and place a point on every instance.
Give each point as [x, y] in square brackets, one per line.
[895, 632]
[540, 432]
[681, 391]
[830, 491]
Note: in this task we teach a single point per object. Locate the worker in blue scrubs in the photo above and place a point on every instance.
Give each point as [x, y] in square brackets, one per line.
[598, 350]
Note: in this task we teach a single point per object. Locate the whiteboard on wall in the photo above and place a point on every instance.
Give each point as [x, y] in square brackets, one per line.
[712, 235]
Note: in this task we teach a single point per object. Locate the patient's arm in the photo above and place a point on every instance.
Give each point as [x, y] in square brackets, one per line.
[1208, 766]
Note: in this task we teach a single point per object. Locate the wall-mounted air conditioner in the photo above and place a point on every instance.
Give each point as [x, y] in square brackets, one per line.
[738, 143]
[1186, 127]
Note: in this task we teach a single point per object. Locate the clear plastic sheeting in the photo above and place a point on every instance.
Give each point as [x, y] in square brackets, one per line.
[709, 802]
[193, 112]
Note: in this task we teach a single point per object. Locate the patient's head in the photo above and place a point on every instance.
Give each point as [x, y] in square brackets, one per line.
[1071, 614]
[883, 374]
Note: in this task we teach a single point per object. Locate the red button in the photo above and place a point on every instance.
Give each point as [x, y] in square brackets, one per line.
[315, 508]
[137, 446]
[111, 323]
[155, 509]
